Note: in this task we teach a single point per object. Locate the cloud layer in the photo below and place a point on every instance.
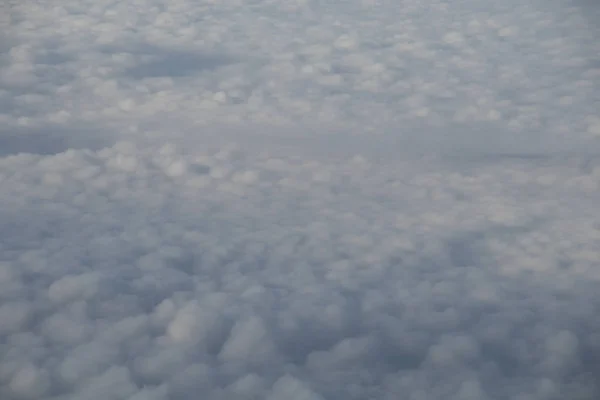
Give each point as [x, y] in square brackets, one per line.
[154, 273]
[409, 208]
[530, 67]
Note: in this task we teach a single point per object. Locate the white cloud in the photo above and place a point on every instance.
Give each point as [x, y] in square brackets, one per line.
[384, 277]
[14, 316]
[72, 287]
[288, 387]
[115, 383]
[359, 201]
[30, 382]
[248, 342]
[193, 324]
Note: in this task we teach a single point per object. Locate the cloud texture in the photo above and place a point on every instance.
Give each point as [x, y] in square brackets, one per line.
[407, 209]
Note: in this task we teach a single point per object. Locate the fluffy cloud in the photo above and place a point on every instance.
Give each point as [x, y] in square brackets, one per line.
[407, 282]
[408, 210]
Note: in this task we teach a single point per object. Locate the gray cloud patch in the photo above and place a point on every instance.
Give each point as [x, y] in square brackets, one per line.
[178, 64]
[50, 139]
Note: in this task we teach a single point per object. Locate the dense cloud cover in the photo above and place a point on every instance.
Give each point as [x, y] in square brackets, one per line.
[156, 274]
[409, 208]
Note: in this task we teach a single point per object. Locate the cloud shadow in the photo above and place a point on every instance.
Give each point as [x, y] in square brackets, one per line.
[176, 63]
[49, 140]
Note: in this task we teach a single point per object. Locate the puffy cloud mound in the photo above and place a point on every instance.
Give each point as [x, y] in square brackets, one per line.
[435, 236]
[250, 276]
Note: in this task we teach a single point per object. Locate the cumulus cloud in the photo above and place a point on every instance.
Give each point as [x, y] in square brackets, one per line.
[287, 286]
[196, 202]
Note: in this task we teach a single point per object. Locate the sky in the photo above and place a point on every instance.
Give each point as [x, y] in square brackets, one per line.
[299, 200]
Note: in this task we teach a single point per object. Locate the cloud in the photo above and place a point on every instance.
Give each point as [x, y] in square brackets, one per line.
[206, 200]
[293, 290]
